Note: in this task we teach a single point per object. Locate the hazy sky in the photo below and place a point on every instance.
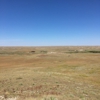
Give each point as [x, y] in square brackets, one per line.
[49, 22]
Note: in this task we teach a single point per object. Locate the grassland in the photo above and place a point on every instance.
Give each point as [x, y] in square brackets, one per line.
[50, 73]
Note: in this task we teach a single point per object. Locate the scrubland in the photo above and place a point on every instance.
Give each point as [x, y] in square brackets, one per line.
[50, 73]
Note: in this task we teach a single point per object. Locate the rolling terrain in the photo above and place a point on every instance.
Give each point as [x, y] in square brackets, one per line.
[50, 73]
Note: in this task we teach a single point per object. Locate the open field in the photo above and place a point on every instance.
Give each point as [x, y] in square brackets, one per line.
[50, 73]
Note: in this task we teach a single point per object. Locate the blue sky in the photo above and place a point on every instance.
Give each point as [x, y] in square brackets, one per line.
[49, 22]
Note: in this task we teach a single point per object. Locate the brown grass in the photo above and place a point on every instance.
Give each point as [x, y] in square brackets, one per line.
[50, 75]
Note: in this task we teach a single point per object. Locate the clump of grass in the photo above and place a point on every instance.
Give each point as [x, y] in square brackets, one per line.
[18, 78]
[51, 98]
[58, 85]
[20, 84]
[81, 96]
[43, 51]
[33, 84]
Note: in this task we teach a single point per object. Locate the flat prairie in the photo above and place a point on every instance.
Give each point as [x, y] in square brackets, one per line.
[50, 73]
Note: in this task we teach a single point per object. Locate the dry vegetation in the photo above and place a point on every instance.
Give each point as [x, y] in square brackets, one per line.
[50, 73]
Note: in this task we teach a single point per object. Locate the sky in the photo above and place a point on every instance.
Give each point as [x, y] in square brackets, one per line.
[49, 22]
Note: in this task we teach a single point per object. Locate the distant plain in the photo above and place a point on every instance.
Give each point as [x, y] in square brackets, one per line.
[50, 73]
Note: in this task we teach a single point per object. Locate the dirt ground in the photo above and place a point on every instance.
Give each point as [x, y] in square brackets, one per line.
[50, 73]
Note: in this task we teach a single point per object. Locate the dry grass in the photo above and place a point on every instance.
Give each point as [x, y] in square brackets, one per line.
[50, 75]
